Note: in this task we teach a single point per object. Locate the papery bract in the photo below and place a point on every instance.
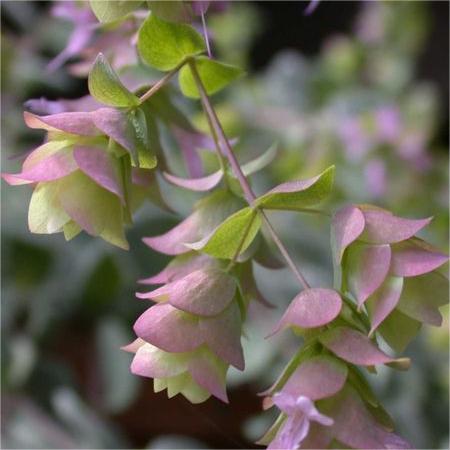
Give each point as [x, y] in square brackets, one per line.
[311, 308]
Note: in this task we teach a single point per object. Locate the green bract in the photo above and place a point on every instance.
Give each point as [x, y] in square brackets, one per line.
[173, 10]
[233, 236]
[165, 45]
[145, 155]
[105, 86]
[297, 195]
[214, 75]
[110, 10]
[76, 196]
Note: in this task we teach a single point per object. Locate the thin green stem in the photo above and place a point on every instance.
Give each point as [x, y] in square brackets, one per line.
[161, 83]
[228, 151]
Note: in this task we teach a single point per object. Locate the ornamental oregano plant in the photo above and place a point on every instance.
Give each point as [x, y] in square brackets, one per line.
[98, 165]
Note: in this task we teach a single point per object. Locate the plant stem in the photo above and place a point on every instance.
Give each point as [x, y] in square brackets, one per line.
[228, 151]
[219, 153]
[161, 83]
[205, 34]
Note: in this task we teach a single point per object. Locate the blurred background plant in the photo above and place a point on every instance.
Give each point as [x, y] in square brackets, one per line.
[363, 85]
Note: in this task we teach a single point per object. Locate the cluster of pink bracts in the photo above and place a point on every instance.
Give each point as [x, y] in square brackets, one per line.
[195, 311]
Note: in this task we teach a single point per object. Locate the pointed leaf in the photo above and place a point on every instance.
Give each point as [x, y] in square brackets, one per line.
[179, 267]
[169, 329]
[368, 266]
[232, 236]
[95, 209]
[173, 11]
[173, 242]
[209, 372]
[106, 87]
[296, 195]
[346, 226]
[382, 227]
[115, 124]
[209, 213]
[111, 10]
[262, 161]
[129, 130]
[196, 184]
[45, 213]
[311, 308]
[152, 362]
[354, 347]
[59, 164]
[80, 123]
[205, 292]
[101, 167]
[355, 426]
[415, 257]
[222, 334]
[70, 230]
[398, 330]
[316, 378]
[215, 76]
[383, 301]
[423, 296]
[165, 45]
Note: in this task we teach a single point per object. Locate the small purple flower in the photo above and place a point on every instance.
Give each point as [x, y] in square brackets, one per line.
[84, 27]
[388, 123]
[355, 139]
[375, 176]
[300, 411]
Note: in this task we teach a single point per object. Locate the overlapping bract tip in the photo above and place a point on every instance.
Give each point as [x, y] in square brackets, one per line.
[381, 256]
[195, 328]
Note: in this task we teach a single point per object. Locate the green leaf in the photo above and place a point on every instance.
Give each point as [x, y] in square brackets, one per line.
[165, 45]
[45, 213]
[105, 86]
[172, 11]
[232, 236]
[297, 195]
[96, 210]
[110, 10]
[145, 154]
[422, 297]
[161, 106]
[261, 161]
[398, 330]
[214, 75]
[71, 229]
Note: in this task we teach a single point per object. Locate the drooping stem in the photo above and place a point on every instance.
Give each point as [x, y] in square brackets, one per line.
[228, 151]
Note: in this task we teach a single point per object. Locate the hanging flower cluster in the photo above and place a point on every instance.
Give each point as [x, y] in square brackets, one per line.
[93, 170]
[389, 270]
[97, 166]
